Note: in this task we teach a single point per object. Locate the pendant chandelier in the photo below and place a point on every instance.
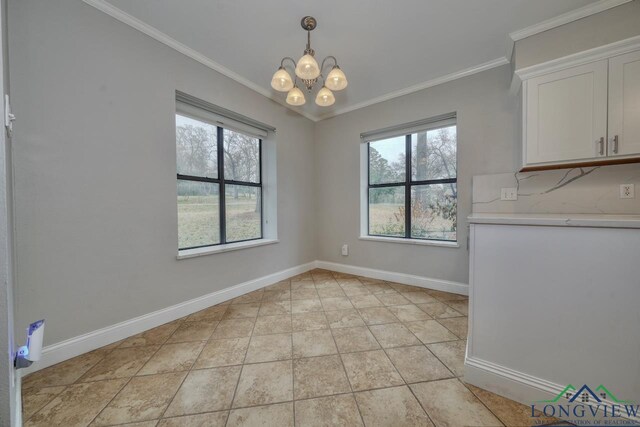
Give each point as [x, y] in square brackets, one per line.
[308, 72]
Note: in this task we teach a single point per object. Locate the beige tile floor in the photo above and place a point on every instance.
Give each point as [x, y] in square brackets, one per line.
[320, 349]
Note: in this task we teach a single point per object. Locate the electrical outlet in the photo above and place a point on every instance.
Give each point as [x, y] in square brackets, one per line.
[345, 250]
[510, 194]
[627, 191]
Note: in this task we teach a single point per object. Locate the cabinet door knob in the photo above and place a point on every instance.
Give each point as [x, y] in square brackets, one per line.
[615, 144]
[601, 144]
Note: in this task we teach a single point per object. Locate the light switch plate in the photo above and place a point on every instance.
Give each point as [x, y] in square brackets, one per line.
[510, 194]
[627, 191]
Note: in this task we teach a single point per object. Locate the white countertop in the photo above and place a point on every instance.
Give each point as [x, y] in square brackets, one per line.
[558, 220]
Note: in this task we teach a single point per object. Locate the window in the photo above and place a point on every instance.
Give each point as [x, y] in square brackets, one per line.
[219, 172]
[412, 183]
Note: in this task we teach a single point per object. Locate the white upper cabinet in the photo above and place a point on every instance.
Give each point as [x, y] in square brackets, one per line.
[567, 114]
[582, 112]
[624, 104]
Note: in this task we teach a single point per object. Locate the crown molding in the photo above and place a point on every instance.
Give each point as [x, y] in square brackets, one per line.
[420, 86]
[580, 58]
[163, 38]
[574, 60]
[566, 18]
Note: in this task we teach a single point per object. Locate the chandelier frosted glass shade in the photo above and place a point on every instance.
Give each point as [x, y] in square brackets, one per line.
[336, 80]
[325, 97]
[282, 81]
[295, 97]
[307, 68]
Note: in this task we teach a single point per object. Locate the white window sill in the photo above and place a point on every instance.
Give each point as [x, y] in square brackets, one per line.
[209, 250]
[416, 242]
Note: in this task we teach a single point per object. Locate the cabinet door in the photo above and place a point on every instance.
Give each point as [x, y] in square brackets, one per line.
[624, 104]
[566, 115]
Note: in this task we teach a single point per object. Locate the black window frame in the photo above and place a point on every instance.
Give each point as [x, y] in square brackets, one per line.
[222, 182]
[408, 183]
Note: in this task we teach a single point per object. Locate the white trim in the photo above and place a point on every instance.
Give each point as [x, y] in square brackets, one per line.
[519, 386]
[364, 189]
[406, 279]
[75, 346]
[576, 59]
[580, 58]
[566, 18]
[431, 123]
[420, 86]
[163, 38]
[209, 250]
[417, 242]
[158, 35]
[515, 85]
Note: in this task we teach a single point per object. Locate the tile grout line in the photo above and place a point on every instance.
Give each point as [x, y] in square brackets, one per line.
[420, 403]
[448, 329]
[344, 369]
[66, 386]
[77, 381]
[186, 376]
[131, 377]
[235, 390]
[337, 278]
[331, 330]
[439, 360]
[406, 384]
[481, 402]
[397, 370]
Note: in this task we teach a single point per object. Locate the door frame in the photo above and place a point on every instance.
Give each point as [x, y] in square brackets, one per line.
[10, 399]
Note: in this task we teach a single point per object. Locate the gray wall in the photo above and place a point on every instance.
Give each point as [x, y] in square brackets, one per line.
[95, 166]
[95, 178]
[606, 27]
[487, 142]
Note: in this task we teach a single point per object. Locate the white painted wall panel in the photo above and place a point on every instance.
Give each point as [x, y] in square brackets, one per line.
[558, 303]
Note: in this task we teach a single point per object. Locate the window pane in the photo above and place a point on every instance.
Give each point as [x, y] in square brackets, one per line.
[243, 212]
[196, 147]
[386, 211]
[433, 154]
[198, 214]
[433, 211]
[241, 157]
[387, 160]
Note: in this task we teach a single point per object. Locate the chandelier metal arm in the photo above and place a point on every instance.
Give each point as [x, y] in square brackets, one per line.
[293, 61]
[335, 63]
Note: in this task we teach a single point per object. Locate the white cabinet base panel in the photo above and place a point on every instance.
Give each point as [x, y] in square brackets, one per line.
[551, 306]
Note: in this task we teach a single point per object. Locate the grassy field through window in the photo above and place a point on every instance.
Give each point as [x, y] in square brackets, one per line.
[198, 219]
[386, 219]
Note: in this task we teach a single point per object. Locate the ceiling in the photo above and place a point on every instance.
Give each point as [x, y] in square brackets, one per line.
[386, 48]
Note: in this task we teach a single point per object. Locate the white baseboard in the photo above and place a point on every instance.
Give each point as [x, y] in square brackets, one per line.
[76, 346]
[518, 386]
[506, 382]
[406, 279]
